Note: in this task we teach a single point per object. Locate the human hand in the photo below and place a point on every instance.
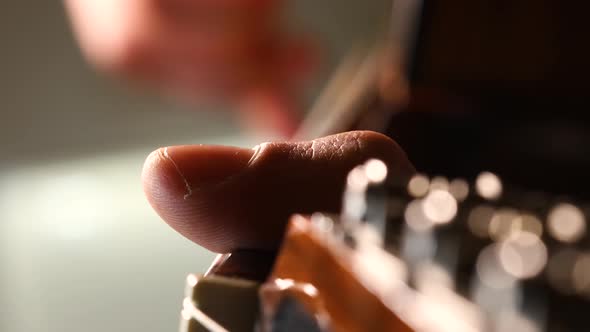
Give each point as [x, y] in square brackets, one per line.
[230, 50]
[226, 198]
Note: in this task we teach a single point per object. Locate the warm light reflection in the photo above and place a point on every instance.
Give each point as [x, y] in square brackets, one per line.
[187, 306]
[187, 302]
[415, 217]
[459, 188]
[490, 271]
[429, 273]
[368, 234]
[186, 315]
[530, 223]
[523, 255]
[479, 220]
[440, 206]
[488, 186]
[566, 223]
[357, 179]
[440, 309]
[355, 205]
[503, 224]
[377, 269]
[321, 222]
[284, 283]
[439, 183]
[192, 280]
[418, 186]
[310, 290]
[375, 170]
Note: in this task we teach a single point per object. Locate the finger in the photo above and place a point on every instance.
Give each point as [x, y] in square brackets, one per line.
[225, 198]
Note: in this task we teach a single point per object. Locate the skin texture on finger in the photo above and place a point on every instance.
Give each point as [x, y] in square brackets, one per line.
[225, 198]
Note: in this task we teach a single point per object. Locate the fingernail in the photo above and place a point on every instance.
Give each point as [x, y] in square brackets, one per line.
[185, 169]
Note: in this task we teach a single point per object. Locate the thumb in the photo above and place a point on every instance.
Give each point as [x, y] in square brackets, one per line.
[225, 198]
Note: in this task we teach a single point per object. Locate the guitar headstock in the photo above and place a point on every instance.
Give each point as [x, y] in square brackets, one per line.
[431, 254]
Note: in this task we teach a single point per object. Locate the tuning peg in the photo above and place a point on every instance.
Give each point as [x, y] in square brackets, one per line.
[364, 209]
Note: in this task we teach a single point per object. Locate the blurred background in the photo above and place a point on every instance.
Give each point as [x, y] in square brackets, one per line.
[80, 248]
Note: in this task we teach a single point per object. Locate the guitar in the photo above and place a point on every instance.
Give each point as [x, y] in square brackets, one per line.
[429, 255]
[470, 85]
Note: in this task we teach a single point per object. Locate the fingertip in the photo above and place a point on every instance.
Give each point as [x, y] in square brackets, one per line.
[378, 145]
[162, 182]
[181, 170]
[182, 182]
[151, 164]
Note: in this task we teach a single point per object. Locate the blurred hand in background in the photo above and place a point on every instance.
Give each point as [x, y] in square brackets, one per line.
[234, 51]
